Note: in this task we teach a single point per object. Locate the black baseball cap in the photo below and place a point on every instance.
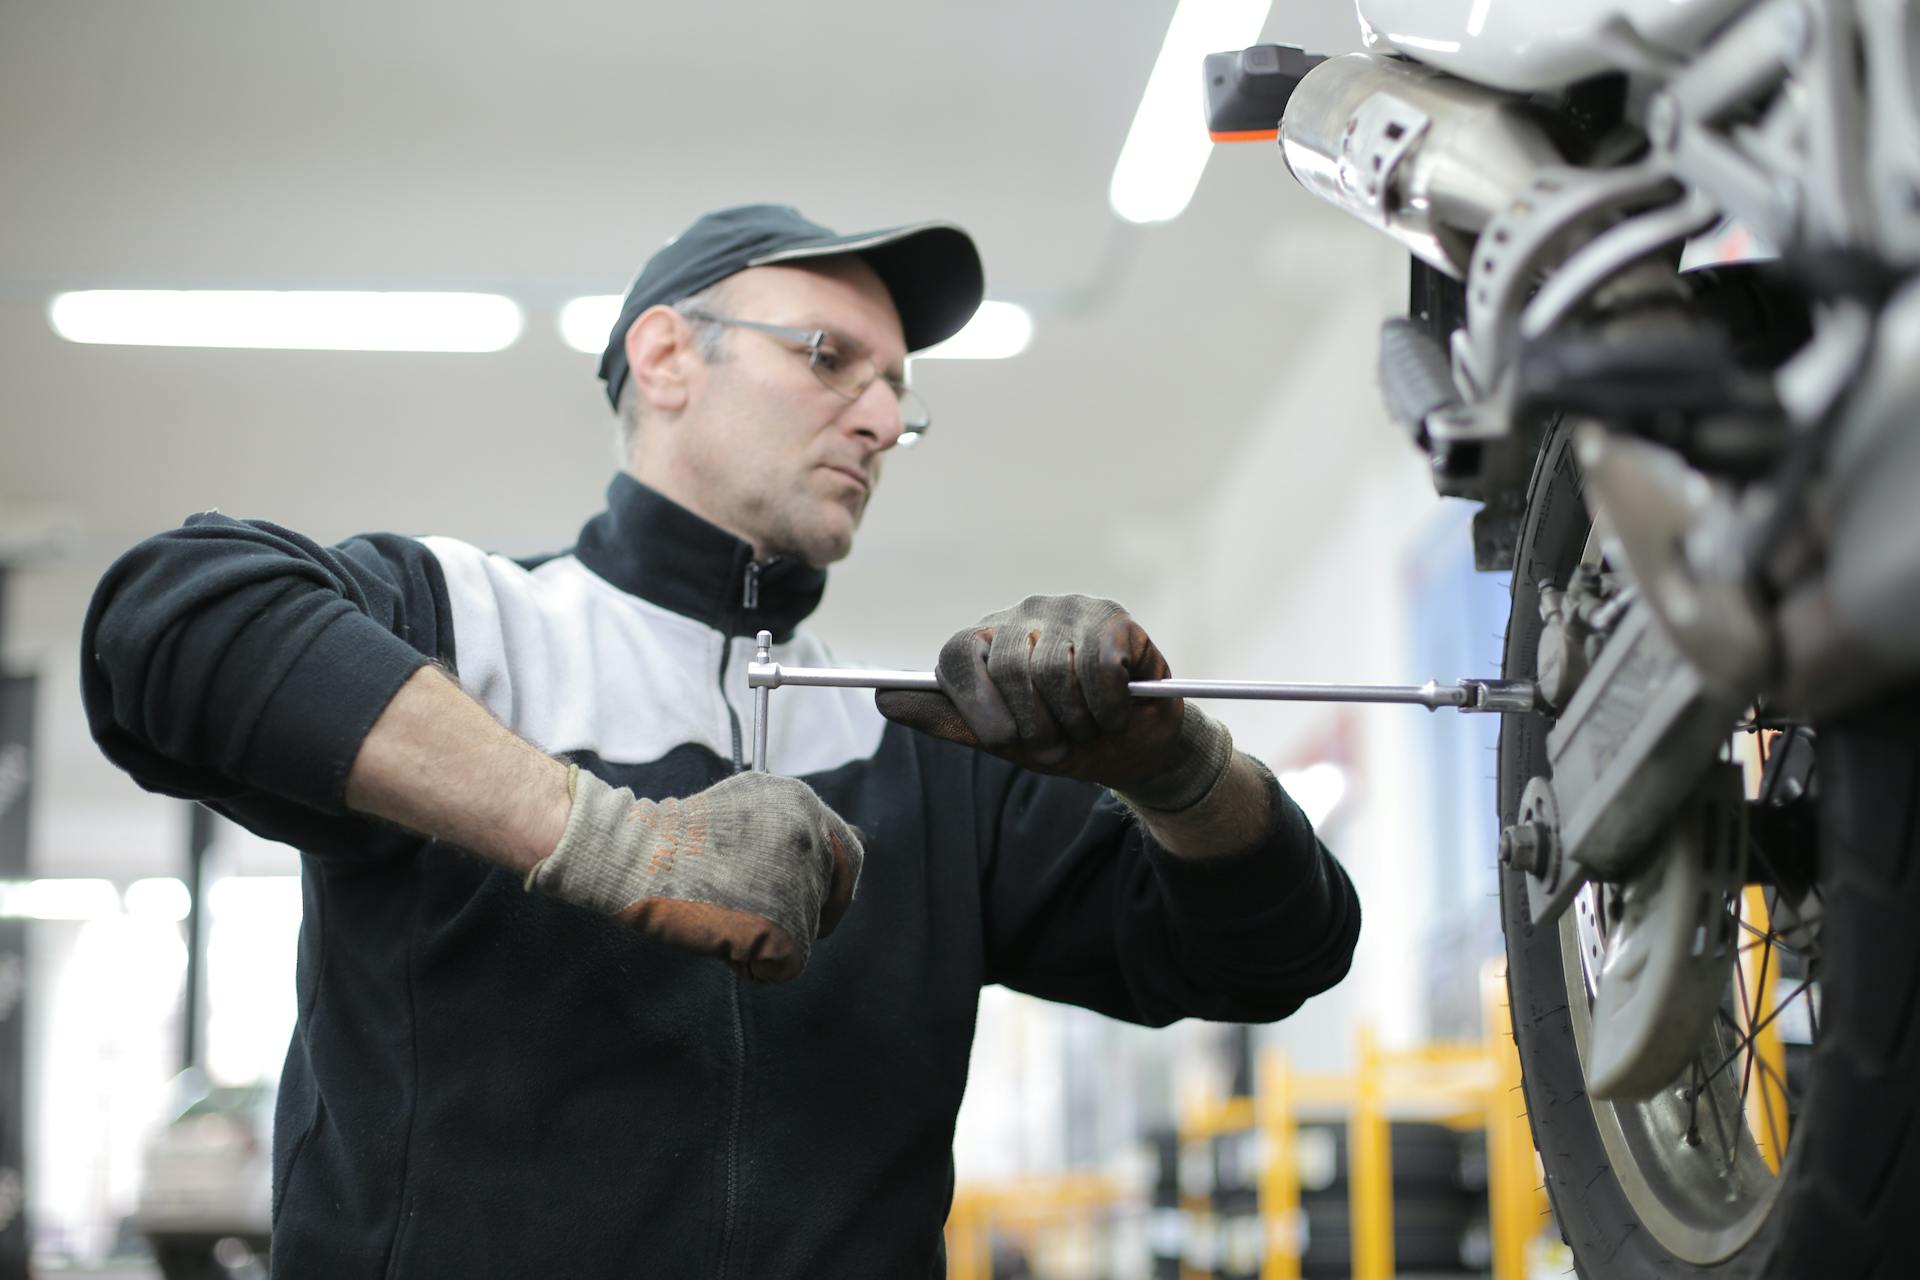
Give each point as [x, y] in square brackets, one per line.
[931, 268]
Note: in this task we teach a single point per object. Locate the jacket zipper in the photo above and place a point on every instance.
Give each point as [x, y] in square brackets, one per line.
[733, 1131]
[750, 592]
[749, 602]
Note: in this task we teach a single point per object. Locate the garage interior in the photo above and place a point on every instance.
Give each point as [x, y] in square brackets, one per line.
[1180, 413]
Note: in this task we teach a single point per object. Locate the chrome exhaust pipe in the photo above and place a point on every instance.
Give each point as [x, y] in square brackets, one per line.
[1426, 158]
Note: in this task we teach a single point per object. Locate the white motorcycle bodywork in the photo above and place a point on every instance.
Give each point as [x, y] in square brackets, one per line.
[1529, 45]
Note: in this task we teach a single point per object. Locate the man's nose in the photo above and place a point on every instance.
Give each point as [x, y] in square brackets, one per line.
[875, 415]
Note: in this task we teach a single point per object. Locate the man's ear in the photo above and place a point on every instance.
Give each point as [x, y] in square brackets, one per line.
[661, 358]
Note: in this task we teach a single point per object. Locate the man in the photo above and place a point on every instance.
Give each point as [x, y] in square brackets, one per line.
[488, 1079]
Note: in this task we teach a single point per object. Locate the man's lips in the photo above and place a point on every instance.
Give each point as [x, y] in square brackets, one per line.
[850, 474]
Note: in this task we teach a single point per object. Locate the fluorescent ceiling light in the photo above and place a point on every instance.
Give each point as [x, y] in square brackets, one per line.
[287, 320]
[75, 899]
[586, 322]
[998, 331]
[160, 898]
[1167, 147]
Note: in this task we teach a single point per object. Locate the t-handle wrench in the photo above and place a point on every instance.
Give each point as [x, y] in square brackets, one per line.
[765, 675]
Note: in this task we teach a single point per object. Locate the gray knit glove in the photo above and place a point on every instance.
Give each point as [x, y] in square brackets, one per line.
[750, 870]
[1044, 684]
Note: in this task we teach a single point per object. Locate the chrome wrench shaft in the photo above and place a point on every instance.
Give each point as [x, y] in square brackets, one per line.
[765, 675]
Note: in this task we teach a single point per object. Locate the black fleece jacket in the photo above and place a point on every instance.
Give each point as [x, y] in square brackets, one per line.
[486, 1082]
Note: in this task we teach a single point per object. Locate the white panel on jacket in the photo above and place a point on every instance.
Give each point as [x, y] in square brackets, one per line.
[570, 662]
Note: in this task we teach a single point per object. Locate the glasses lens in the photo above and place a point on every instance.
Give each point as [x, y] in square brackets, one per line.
[845, 373]
[849, 375]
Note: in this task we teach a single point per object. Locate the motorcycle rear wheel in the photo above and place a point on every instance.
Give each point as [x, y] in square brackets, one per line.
[1844, 1201]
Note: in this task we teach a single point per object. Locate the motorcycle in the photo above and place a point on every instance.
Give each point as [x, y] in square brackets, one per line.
[1704, 481]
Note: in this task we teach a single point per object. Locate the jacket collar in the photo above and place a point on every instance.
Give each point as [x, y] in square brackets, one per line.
[650, 546]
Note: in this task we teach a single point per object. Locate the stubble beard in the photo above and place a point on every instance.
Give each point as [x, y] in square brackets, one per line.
[804, 524]
[816, 534]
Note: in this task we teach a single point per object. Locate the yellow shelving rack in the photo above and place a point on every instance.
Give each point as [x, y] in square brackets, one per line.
[1474, 1084]
[1468, 1084]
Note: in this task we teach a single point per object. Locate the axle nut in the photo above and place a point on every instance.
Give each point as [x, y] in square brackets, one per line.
[1526, 845]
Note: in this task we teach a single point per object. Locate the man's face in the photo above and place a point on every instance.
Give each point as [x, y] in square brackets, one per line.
[766, 449]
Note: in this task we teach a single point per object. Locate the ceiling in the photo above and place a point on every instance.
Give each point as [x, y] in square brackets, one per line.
[542, 151]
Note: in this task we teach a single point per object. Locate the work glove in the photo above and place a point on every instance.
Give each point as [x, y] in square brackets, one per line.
[1044, 684]
[750, 870]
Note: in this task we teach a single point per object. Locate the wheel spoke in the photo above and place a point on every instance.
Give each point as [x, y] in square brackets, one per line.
[1767, 937]
[1746, 1007]
[1720, 1132]
[1746, 1047]
[1769, 1079]
[1745, 1037]
[1769, 1072]
[1780, 1006]
[1773, 1132]
[1759, 993]
[1694, 1091]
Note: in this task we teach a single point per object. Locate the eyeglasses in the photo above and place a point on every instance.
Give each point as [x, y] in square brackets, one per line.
[843, 367]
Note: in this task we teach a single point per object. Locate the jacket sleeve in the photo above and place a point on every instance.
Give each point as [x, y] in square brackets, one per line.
[240, 664]
[1083, 906]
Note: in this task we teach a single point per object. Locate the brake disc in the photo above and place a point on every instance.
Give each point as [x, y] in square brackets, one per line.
[1666, 945]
